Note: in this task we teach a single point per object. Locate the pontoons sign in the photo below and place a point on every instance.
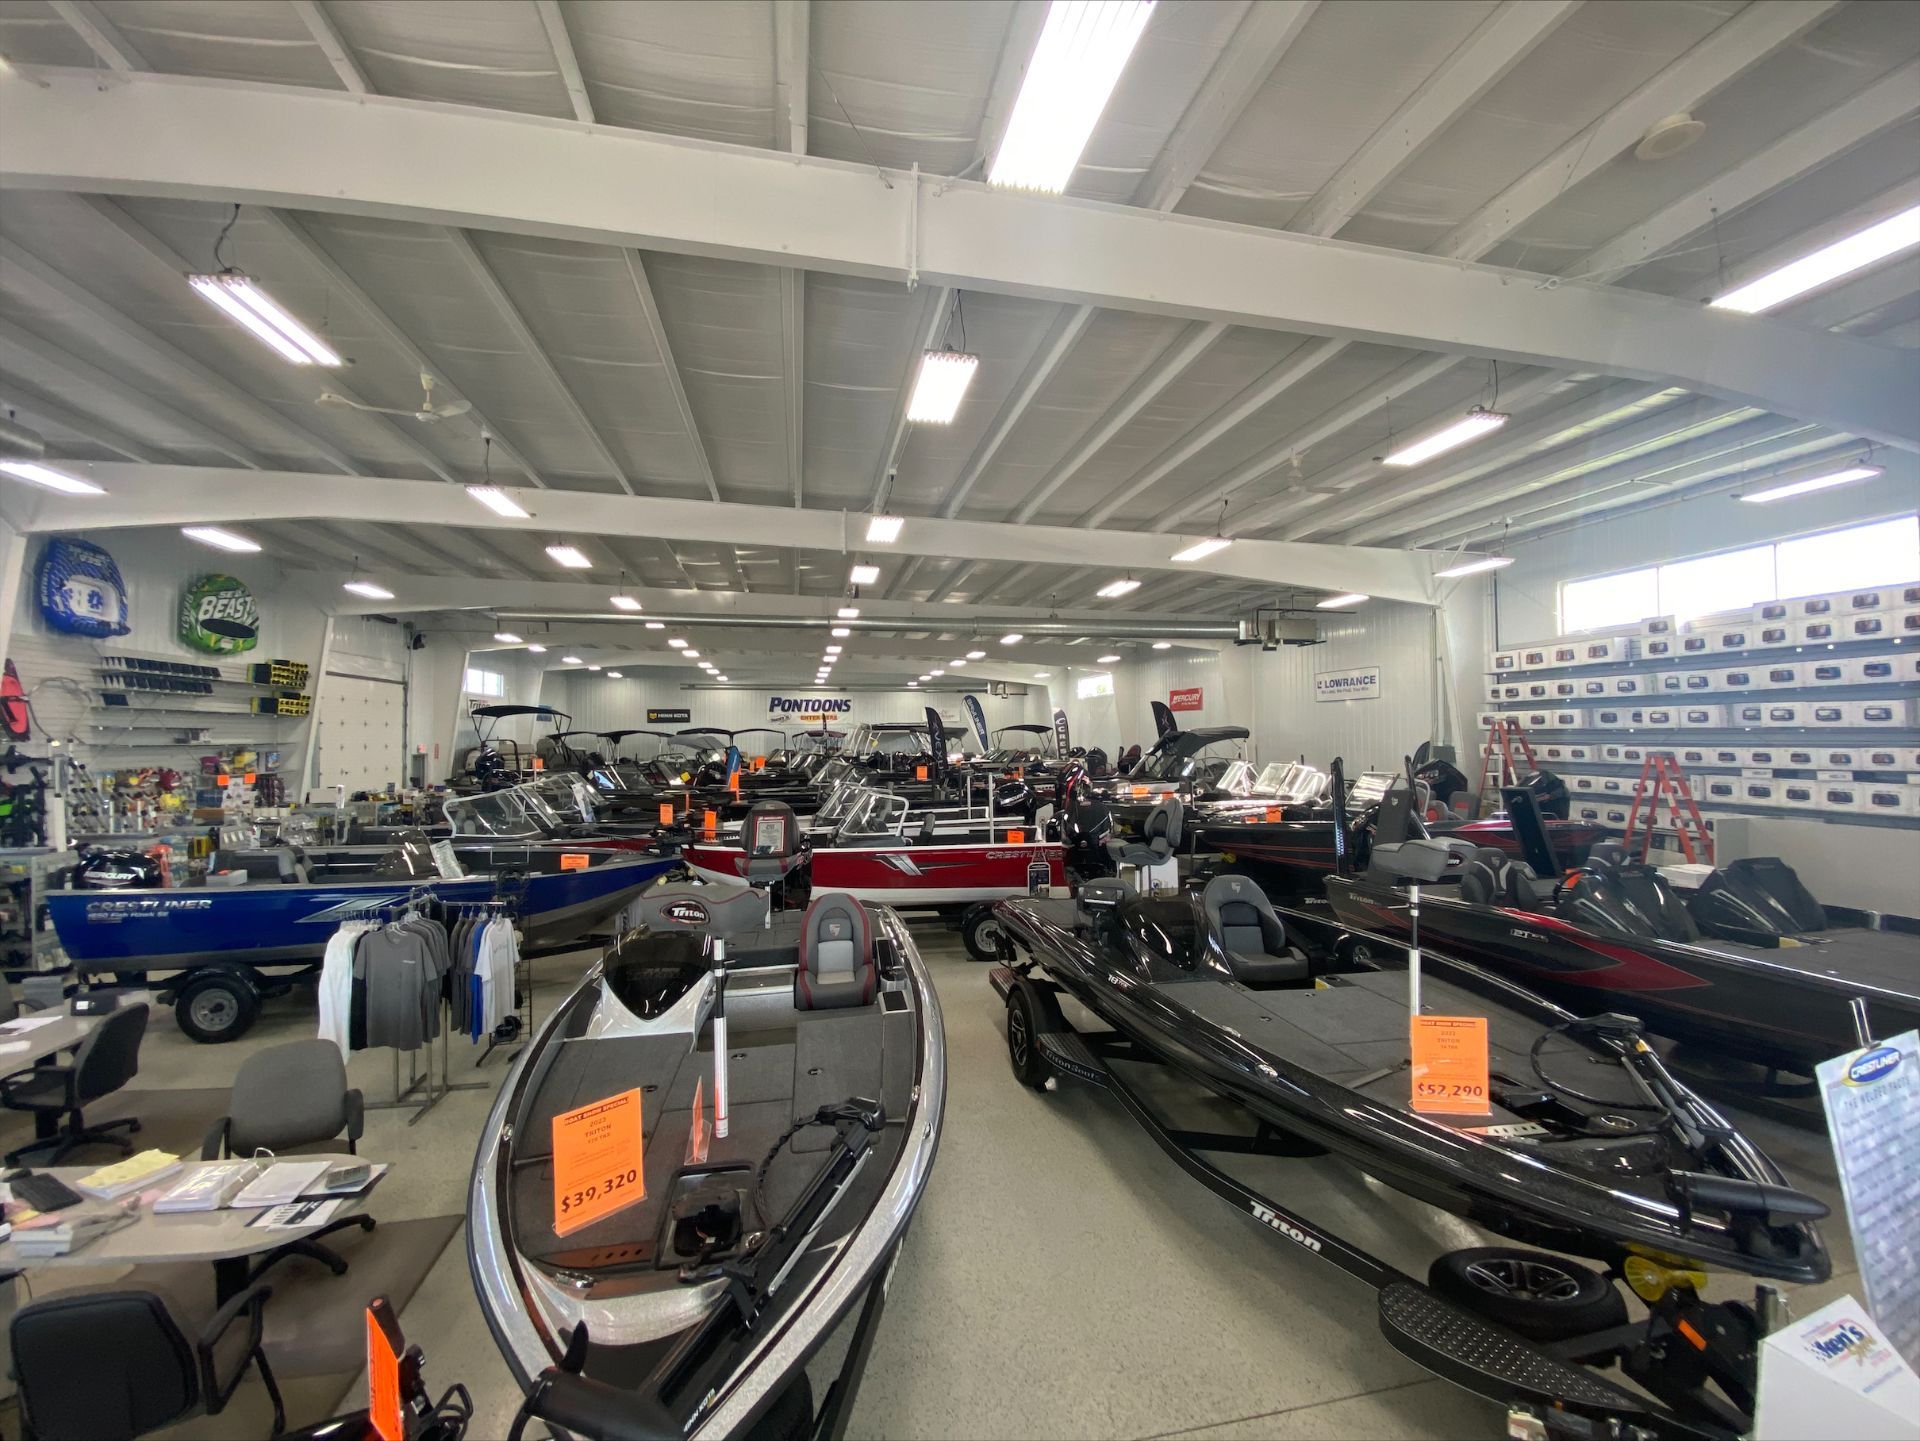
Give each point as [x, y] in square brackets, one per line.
[807, 706]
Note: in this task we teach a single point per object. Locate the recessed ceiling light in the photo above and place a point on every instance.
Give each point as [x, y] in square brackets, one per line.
[570, 556]
[48, 478]
[864, 574]
[1474, 424]
[1827, 264]
[849, 612]
[691, 654]
[1105, 659]
[957, 664]
[244, 301]
[626, 603]
[1335, 602]
[368, 589]
[498, 501]
[1114, 589]
[1076, 62]
[913, 685]
[1163, 645]
[1818, 482]
[593, 667]
[506, 637]
[1201, 549]
[976, 655]
[927, 676]
[1473, 567]
[1042, 674]
[840, 632]
[675, 642]
[656, 625]
[833, 650]
[884, 529]
[616, 675]
[536, 649]
[940, 387]
[1012, 637]
[569, 660]
[722, 679]
[932, 673]
[220, 539]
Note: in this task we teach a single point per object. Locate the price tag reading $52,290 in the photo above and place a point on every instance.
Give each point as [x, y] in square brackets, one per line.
[597, 1167]
[1450, 1065]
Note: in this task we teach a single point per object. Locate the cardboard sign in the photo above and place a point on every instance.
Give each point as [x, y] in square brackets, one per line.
[596, 1161]
[574, 861]
[383, 1380]
[1836, 1373]
[1184, 700]
[1450, 1065]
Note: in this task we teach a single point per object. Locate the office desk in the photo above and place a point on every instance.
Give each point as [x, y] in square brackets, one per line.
[22, 1050]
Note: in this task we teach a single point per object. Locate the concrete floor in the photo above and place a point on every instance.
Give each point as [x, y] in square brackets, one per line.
[1061, 1278]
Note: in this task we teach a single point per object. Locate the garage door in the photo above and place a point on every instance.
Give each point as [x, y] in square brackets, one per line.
[362, 733]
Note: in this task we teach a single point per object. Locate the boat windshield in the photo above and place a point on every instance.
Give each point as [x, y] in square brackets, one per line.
[1237, 779]
[1163, 928]
[874, 813]
[515, 813]
[569, 797]
[838, 802]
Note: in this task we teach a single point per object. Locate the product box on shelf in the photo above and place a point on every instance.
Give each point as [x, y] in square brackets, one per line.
[1660, 647]
[1537, 690]
[1799, 795]
[1700, 717]
[1735, 638]
[1889, 712]
[1512, 690]
[1732, 678]
[1762, 756]
[1694, 757]
[1827, 715]
[1892, 798]
[1610, 718]
[1615, 786]
[1536, 720]
[1534, 657]
[1820, 630]
[1910, 596]
[1777, 675]
[1800, 757]
[1567, 719]
[1828, 672]
[1656, 625]
[1775, 610]
[1771, 635]
[1614, 815]
[1607, 649]
[1658, 717]
[1487, 719]
[1870, 625]
[1700, 642]
[1561, 753]
[1493, 692]
[1506, 661]
[1818, 605]
[1719, 790]
[1885, 669]
[1906, 622]
[1583, 785]
[1878, 757]
[1846, 797]
[1568, 690]
[1588, 811]
[1843, 758]
[1753, 791]
[1865, 600]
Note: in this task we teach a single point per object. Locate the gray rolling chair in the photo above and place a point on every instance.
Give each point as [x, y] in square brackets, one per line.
[158, 1375]
[288, 1096]
[104, 1062]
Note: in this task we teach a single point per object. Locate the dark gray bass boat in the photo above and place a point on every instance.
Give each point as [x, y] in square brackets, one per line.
[694, 1309]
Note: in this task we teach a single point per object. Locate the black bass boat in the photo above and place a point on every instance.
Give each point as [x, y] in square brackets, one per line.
[1741, 962]
[1587, 1144]
[694, 1309]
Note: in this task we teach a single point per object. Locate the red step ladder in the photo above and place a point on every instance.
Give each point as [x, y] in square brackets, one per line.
[1498, 764]
[1661, 779]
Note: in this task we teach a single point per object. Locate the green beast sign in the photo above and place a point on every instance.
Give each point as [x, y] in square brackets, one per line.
[217, 613]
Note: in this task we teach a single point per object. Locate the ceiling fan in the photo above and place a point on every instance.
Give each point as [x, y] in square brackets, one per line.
[428, 411]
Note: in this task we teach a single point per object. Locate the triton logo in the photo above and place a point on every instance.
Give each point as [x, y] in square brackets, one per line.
[685, 913]
[1293, 1233]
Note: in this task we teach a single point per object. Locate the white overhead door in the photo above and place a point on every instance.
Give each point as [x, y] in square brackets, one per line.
[362, 733]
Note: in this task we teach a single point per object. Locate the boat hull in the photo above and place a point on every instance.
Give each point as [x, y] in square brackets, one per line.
[909, 876]
[1295, 858]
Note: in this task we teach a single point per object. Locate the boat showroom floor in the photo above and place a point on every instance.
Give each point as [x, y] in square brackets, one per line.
[1062, 1277]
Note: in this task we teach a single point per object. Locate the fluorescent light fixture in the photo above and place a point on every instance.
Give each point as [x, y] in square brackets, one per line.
[940, 386]
[1012, 637]
[241, 297]
[1105, 659]
[498, 501]
[570, 660]
[676, 642]
[571, 556]
[976, 655]
[1114, 589]
[626, 603]
[1335, 602]
[691, 654]
[722, 679]
[506, 637]
[884, 529]
[1201, 549]
[1473, 567]
[957, 664]
[932, 673]
[220, 539]
[1818, 482]
[840, 632]
[656, 625]
[50, 479]
[1042, 674]
[616, 675]
[864, 574]
[1077, 61]
[593, 667]
[833, 650]
[1163, 645]
[1827, 264]
[849, 612]
[927, 676]
[913, 685]
[368, 589]
[536, 650]
[1471, 426]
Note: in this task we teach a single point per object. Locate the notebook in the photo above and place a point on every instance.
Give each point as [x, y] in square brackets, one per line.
[282, 1182]
[208, 1188]
[109, 1183]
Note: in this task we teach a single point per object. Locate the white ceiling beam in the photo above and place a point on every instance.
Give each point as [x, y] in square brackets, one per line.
[555, 24]
[339, 56]
[1884, 103]
[102, 36]
[50, 359]
[1851, 300]
[1729, 52]
[1505, 38]
[183, 495]
[657, 329]
[651, 191]
[36, 407]
[529, 343]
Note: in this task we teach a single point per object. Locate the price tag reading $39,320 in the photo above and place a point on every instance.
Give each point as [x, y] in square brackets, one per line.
[1450, 1065]
[597, 1166]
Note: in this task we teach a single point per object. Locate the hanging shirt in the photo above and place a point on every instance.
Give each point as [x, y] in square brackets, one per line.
[336, 984]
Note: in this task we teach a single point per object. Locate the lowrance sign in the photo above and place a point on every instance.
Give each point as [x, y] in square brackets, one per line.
[1360, 683]
[807, 706]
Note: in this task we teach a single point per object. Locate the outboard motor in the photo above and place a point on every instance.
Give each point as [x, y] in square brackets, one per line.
[1098, 766]
[1549, 793]
[490, 770]
[1760, 894]
[1014, 797]
[1086, 825]
[101, 869]
[1444, 780]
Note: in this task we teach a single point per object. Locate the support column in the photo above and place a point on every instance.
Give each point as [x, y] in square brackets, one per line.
[13, 568]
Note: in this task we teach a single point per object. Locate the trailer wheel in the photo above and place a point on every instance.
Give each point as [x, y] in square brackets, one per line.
[1030, 1011]
[215, 1007]
[1542, 1297]
[980, 932]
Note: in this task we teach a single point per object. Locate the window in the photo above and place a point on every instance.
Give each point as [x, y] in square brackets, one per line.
[1089, 686]
[485, 682]
[1886, 552]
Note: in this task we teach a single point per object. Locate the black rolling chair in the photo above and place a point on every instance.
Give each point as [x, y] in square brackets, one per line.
[288, 1096]
[104, 1062]
[158, 1374]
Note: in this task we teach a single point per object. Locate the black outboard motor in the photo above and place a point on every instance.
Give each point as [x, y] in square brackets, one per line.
[1443, 779]
[1012, 796]
[101, 869]
[1086, 825]
[1760, 894]
[490, 769]
[1098, 766]
[1549, 793]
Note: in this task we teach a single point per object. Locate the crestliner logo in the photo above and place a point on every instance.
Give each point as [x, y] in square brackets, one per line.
[1875, 1065]
[1293, 1233]
[807, 705]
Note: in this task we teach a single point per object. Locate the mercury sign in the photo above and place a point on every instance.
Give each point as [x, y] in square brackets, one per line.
[1360, 683]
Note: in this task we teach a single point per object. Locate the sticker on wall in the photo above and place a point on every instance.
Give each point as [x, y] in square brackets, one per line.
[1360, 683]
[669, 716]
[1193, 698]
[218, 614]
[808, 706]
[80, 589]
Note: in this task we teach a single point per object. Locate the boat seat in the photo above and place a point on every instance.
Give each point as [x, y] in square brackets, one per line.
[770, 839]
[1420, 861]
[836, 955]
[1158, 837]
[1250, 935]
[1483, 879]
[929, 824]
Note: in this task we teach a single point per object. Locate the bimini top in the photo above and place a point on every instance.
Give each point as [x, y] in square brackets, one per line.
[501, 712]
[1187, 742]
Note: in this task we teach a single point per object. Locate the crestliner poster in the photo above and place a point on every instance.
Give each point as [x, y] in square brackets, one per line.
[1355, 683]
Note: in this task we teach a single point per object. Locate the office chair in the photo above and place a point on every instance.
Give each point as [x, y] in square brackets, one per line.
[104, 1062]
[288, 1096]
[158, 1374]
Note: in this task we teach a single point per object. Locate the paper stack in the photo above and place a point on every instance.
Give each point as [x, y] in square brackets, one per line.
[208, 1188]
[109, 1183]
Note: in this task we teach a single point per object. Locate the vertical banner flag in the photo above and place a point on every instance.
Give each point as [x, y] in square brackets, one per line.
[979, 719]
[1062, 740]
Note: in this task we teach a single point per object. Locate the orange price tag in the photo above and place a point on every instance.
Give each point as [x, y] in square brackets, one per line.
[250, 777]
[596, 1161]
[223, 781]
[383, 1383]
[919, 773]
[710, 823]
[1016, 838]
[1450, 1065]
[1273, 813]
[759, 763]
[666, 813]
[574, 861]
[1139, 791]
[539, 763]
